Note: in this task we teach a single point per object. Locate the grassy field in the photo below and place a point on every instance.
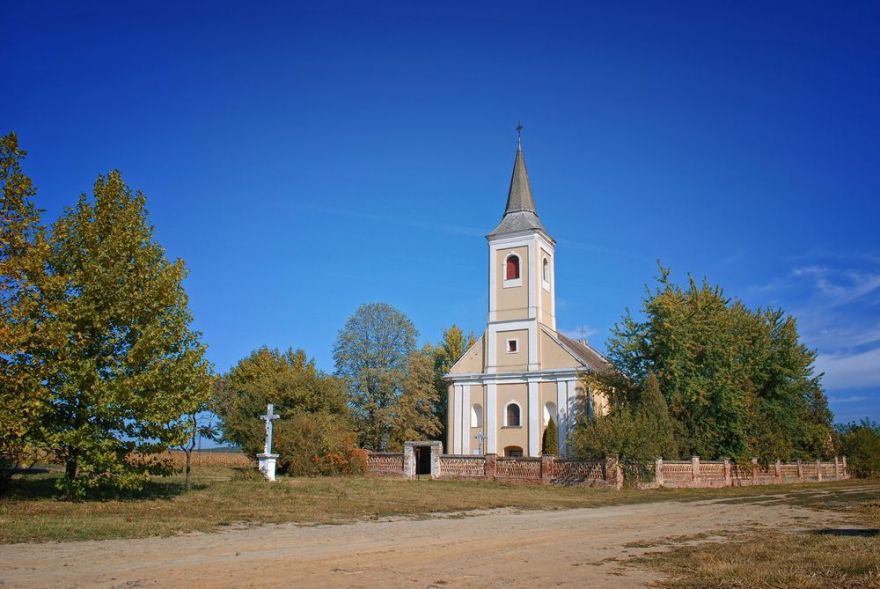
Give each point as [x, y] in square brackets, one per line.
[844, 556]
[225, 496]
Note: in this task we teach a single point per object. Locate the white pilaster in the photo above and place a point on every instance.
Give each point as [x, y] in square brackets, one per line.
[491, 419]
[466, 419]
[534, 419]
[532, 282]
[456, 421]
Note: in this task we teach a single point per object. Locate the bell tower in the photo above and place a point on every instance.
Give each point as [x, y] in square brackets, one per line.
[521, 278]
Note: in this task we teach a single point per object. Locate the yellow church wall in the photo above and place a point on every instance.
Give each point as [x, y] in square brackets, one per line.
[513, 436]
[472, 360]
[512, 361]
[551, 355]
[512, 302]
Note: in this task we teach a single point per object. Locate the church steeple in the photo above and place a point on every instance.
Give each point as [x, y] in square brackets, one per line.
[520, 213]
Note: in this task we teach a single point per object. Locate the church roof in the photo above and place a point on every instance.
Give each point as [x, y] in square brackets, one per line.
[520, 213]
[590, 358]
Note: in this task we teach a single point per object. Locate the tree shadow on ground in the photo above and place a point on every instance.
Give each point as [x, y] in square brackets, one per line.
[850, 532]
[40, 484]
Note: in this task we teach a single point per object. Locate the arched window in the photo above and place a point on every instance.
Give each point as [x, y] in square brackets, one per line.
[546, 270]
[511, 267]
[511, 415]
[477, 415]
[513, 452]
[550, 413]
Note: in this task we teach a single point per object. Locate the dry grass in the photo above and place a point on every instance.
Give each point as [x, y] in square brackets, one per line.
[226, 497]
[845, 556]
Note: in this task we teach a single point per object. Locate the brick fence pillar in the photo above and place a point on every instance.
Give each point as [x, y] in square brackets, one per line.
[819, 470]
[754, 471]
[800, 468]
[658, 472]
[489, 471]
[613, 472]
[836, 469]
[695, 468]
[547, 470]
[728, 478]
[777, 472]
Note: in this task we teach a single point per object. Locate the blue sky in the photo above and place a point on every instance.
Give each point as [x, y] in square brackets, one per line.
[305, 159]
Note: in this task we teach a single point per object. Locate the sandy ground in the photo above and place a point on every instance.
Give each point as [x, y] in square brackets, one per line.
[570, 548]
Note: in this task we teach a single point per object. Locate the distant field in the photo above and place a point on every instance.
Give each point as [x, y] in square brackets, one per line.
[234, 496]
[213, 457]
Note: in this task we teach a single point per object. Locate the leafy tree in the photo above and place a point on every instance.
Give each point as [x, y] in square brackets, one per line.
[550, 439]
[372, 353]
[737, 382]
[199, 426]
[126, 369]
[22, 255]
[652, 415]
[619, 433]
[452, 347]
[314, 435]
[413, 414]
[860, 443]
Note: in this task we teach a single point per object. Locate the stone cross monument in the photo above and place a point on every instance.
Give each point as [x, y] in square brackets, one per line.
[267, 459]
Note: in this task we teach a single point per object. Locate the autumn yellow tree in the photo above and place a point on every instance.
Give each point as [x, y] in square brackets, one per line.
[22, 253]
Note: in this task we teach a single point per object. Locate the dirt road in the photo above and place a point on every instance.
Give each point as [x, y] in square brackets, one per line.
[571, 548]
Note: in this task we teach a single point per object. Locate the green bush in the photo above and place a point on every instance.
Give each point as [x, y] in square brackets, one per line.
[315, 444]
[860, 443]
[550, 441]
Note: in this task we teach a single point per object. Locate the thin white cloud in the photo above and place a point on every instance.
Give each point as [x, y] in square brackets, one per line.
[837, 305]
[850, 371]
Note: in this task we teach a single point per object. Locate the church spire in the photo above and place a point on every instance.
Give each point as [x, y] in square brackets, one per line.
[520, 213]
[519, 196]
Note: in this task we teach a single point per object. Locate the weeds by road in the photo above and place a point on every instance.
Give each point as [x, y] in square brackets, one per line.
[842, 556]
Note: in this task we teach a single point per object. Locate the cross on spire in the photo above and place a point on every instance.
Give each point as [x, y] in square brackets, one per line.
[519, 128]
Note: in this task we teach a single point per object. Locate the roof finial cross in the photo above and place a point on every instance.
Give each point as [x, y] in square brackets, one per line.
[519, 129]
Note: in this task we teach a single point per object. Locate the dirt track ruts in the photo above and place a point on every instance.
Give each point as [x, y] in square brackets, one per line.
[502, 548]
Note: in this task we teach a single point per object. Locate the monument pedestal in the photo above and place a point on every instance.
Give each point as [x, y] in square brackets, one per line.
[267, 465]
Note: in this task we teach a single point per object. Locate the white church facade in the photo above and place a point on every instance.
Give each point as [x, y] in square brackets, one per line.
[521, 372]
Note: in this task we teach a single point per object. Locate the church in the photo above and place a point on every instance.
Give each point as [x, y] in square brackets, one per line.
[522, 372]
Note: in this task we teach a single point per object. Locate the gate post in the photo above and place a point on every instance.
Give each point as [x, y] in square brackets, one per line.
[658, 472]
[409, 462]
[728, 479]
[490, 466]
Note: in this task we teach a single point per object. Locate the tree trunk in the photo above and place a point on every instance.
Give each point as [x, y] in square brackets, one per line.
[188, 469]
[70, 467]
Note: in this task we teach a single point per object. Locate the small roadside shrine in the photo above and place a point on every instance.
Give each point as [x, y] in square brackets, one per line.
[267, 459]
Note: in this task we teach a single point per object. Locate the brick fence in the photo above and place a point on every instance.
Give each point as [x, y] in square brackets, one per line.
[528, 471]
[693, 473]
[724, 473]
